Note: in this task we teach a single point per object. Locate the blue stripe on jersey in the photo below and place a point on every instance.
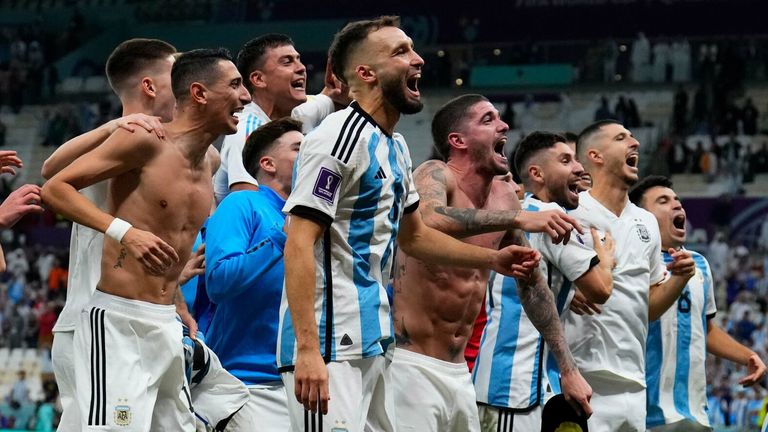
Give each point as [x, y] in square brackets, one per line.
[397, 191]
[361, 227]
[536, 379]
[287, 340]
[683, 362]
[654, 356]
[703, 266]
[562, 295]
[506, 344]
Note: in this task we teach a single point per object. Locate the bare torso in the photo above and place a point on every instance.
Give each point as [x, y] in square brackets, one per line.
[436, 306]
[170, 196]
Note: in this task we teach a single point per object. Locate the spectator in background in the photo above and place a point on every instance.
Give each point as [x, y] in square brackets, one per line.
[678, 156]
[633, 115]
[744, 328]
[621, 110]
[3, 133]
[760, 159]
[680, 110]
[681, 61]
[603, 112]
[661, 59]
[640, 57]
[749, 116]
[20, 389]
[610, 55]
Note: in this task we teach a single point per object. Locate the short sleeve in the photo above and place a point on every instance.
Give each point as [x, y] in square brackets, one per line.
[233, 160]
[573, 260]
[656, 262]
[412, 197]
[709, 286]
[319, 181]
[313, 111]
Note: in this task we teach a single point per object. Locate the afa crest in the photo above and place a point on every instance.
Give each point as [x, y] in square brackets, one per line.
[341, 426]
[122, 415]
[643, 233]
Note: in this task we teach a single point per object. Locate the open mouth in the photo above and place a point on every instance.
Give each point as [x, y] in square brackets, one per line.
[679, 222]
[413, 83]
[498, 148]
[633, 159]
[236, 114]
[299, 84]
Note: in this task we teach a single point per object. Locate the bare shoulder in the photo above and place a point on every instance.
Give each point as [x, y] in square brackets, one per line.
[214, 158]
[434, 172]
[139, 140]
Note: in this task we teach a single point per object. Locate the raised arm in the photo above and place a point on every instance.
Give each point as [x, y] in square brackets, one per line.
[82, 144]
[435, 182]
[311, 374]
[665, 294]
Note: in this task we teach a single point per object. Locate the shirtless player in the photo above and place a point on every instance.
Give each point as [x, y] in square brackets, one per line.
[436, 306]
[129, 364]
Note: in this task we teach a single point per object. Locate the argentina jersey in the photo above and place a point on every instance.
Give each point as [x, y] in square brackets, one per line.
[356, 180]
[676, 351]
[561, 264]
[507, 371]
[232, 169]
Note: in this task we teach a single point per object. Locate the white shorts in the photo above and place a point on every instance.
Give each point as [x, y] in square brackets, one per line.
[617, 405]
[432, 395]
[267, 407]
[129, 367]
[681, 426]
[494, 419]
[216, 393]
[361, 398]
[62, 354]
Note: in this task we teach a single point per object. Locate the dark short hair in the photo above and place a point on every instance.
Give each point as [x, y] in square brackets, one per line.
[350, 37]
[570, 137]
[132, 57]
[638, 190]
[196, 66]
[251, 55]
[448, 119]
[261, 141]
[530, 146]
[589, 131]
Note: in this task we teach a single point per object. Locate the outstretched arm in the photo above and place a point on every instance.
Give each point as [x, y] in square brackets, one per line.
[430, 245]
[721, 344]
[435, 183]
[82, 144]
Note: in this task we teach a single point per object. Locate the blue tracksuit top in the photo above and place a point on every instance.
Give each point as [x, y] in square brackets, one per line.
[244, 278]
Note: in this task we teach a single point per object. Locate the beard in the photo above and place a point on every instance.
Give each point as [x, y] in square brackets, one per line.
[394, 93]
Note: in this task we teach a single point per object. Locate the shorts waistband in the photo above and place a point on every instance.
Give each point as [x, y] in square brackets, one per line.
[406, 356]
[138, 308]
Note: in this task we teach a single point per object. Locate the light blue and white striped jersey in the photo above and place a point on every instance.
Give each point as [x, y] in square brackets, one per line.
[355, 179]
[507, 371]
[676, 351]
[561, 264]
[232, 169]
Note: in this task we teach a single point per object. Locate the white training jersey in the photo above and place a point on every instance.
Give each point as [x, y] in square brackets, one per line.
[677, 350]
[613, 343]
[508, 369]
[356, 180]
[85, 247]
[561, 265]
[232, 170]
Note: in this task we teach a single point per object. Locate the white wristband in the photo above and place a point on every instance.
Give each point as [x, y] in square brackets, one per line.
[117, 229]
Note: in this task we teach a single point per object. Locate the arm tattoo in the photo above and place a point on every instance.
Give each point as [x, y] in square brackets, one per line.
[473, 221]
[539, 304]
[120, 259]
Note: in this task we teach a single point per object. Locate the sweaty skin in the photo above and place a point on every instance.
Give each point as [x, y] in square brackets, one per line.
[170, 197]
[436, 306]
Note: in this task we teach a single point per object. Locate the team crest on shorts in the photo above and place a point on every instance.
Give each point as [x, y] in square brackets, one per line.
[642, 232]
[326, 185]
[123, 415]
[341, 426]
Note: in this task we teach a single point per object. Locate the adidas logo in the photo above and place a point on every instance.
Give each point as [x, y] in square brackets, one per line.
[346, 340]
[380, 174]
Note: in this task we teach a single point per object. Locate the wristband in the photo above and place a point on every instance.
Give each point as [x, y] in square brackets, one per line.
[117, 229]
